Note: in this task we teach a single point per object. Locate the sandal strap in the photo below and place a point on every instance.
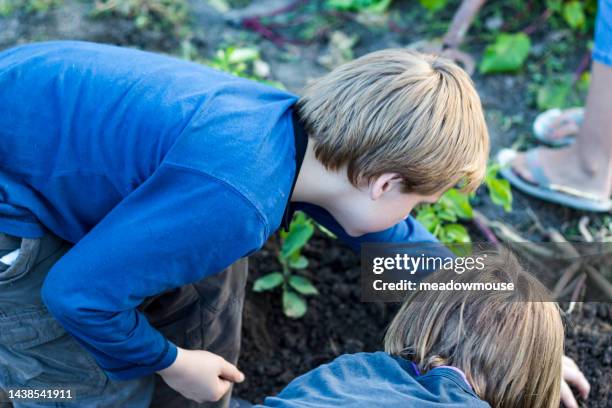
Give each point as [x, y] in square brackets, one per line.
[536, 170]
[575, 192]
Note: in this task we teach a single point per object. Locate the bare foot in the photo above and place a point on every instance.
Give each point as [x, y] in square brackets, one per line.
[562, 167]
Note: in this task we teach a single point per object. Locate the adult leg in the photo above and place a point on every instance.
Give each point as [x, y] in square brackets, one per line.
[585, 165]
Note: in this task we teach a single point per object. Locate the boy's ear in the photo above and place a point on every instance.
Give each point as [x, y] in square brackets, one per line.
[384, 183]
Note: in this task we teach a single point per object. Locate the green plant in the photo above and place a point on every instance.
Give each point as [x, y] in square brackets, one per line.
[291, 259]
[578, 15]
[7, 7]
[506, 54]
[241, 61]
[160, 15]
[373, 6]
[433, 5]
[554, 92]
[499, 188]
[442, 218]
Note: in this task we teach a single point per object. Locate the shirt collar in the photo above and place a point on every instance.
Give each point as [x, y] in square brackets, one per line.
[301, 141]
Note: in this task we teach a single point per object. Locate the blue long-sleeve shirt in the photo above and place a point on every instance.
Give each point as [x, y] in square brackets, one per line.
[161, 171]
[376, 380]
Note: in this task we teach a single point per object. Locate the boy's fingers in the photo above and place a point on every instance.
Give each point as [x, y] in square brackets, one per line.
[222, 389]
[230, 372]
[567, 397]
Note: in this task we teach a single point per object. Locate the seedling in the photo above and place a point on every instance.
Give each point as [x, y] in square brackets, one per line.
[294, 285]
[241, 61]
[367, 6]
[159, 15]
[7, 7]
[442, 218]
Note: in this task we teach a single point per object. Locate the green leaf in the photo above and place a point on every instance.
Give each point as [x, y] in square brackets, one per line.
[341, 4]
[456, 233]
[293, 305]
[6, 8]
[447, 215]
[492, 169]
[326, 231]
[379, 7]
[374, 6]
[302, 285]
[554, 94]
[298, 261]
[433, 5]
[427, 217]
[460, 249]
[458, 203]
[300, 231]
[239, 55]
[554, 5]
[500, 193]
[573, 14]
[268, 282]
[507, 54]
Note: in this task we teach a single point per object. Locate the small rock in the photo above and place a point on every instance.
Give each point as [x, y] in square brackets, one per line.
[494, 23]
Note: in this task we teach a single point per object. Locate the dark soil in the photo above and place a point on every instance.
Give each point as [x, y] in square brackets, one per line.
[589, 343]
[275, 348]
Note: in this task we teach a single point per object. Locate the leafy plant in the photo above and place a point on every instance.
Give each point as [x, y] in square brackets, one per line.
[7, 7]
[506, 54]
[578, 15]
[433, 5]
[499, 189]
[373, 6]
[160, 15]
[573, 13]
[554, 92]
[291, 259]
[241, 61]
[442, 218]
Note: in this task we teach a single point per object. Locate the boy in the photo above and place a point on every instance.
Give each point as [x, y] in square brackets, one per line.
[163, 173]
[499, 349]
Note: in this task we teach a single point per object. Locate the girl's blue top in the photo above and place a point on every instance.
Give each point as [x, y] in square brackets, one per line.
[160, 171]
[369, 380]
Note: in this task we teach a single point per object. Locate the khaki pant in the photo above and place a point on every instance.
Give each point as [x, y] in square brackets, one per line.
[36, 352]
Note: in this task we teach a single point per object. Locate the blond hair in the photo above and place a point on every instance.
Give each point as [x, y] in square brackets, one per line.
[509, 344]
[400, 111]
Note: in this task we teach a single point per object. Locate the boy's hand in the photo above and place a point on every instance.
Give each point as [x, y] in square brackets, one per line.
[572, 375]
[200, 375]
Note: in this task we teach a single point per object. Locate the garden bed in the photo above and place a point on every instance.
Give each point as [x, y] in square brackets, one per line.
[276, 349]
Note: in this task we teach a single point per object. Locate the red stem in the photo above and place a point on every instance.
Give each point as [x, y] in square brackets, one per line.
[531, 28]
[485, 230]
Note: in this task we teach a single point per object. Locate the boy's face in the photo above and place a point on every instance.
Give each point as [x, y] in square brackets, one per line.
[377, 206]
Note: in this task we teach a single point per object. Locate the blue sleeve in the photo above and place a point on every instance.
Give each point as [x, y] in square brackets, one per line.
[179, 226]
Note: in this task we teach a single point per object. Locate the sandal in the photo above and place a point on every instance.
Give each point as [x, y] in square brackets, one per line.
[543, 189]
[542, 126]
